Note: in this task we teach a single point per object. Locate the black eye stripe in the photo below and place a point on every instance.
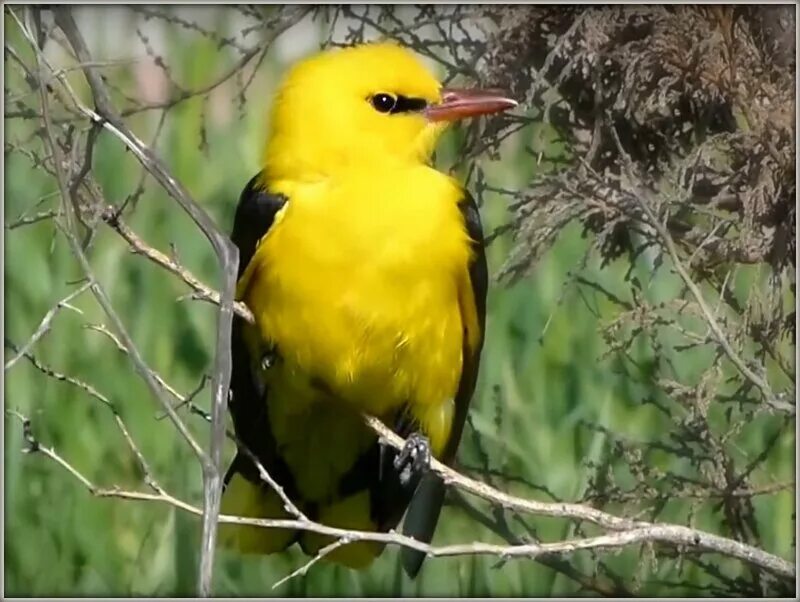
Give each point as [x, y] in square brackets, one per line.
[389, 103]
[405, 104]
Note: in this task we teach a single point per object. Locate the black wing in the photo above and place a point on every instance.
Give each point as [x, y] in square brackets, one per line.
[423, 512]
[479, 279]
[254, 217]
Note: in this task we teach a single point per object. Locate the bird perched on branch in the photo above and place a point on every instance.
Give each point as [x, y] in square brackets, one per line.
[365, 271]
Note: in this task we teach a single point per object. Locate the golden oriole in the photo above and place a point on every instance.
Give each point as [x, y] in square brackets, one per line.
[365, 270]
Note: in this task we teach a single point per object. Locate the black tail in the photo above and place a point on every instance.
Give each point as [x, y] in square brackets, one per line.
[421, 518]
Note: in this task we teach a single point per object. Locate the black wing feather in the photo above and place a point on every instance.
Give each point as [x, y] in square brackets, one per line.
[423, 512]
[255, 215]
[479, 279]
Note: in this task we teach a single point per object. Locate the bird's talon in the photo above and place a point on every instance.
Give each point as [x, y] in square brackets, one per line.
[414, 459]
[269, 359]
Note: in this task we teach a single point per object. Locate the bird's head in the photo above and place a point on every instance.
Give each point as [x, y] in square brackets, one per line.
[352, 106]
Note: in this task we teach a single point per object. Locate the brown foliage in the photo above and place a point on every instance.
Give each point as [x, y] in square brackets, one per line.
[700, 105]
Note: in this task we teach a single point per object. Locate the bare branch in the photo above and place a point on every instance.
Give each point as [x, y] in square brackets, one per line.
[673, 535]
[666, 239]
[227, 255]
[303, 569]
[32, 219]
[101, 328]
[203, 292]
[44, 325]
[228, 258]
[630, 531]
[561, 510]
[145, 372]
[48, 371]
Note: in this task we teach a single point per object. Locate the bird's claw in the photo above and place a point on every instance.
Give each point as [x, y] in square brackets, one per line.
[414, 459]
[269, 359]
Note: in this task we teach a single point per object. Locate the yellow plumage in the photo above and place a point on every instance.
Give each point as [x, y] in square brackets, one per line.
[361, 283]
[380, 329]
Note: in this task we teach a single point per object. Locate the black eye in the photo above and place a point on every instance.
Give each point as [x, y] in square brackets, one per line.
[383, 103]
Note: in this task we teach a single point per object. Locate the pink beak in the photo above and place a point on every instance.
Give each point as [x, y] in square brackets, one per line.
[458, 103]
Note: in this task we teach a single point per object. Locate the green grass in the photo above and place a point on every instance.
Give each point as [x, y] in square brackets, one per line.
[541, 380]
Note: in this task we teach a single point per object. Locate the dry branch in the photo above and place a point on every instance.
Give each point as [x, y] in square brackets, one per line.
[632, 533]
[643, 199]
[111, 217]
[141, 367]
[44, 325]
[227, 255]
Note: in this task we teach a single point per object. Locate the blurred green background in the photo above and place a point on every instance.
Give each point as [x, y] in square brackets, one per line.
[542, 376]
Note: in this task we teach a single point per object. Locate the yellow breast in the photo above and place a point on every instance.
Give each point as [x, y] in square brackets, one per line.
[357, 285]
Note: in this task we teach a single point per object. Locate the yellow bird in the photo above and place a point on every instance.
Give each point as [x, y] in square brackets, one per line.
[365, 270]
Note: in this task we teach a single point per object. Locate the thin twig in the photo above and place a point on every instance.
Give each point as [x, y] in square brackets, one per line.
[44, 325]
[202, 91]
[107, 403]
[555, 509]
[226, 253]
[228, 257]
[630, 529]
[708, 313]
[32, 219]
[111, 217]
[102, 329]
[145, 372]
[673, 535]
[303, 569]
[52, 373]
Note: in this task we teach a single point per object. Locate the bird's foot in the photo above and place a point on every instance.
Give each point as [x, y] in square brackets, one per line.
[414, 459]
[270, 358]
